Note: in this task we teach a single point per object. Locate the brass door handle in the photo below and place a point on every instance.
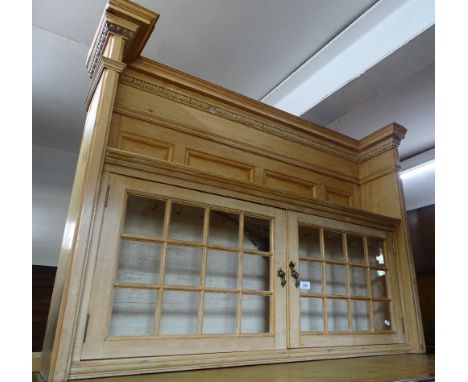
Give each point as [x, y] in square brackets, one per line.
[282, 276]
[295, 275]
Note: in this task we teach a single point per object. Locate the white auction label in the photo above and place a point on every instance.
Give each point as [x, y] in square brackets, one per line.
[305, 285]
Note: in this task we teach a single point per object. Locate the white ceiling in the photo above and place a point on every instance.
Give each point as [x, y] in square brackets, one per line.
[399, 88]
[249, 46]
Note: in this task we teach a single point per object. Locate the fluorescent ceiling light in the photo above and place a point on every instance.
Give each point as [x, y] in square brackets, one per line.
[422, 168]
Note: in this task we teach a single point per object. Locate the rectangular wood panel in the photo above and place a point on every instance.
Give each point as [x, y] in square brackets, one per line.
[289, 183]
[217, 165]
[338, 196]
[146, 146]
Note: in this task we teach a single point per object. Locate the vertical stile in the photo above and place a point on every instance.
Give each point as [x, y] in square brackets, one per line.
[271, 299]
[201, 303]
[324, 281]
[239, 275]
[388, 277]
[369, 286]
[348, 282]
[167, 217]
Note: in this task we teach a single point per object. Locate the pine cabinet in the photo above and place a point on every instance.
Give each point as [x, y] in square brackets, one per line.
[206, 229]
[184, 272]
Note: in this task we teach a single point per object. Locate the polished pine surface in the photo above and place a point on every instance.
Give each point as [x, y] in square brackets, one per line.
[363, 369]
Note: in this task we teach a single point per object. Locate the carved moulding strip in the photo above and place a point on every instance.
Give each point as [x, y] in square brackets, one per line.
[107, 27]
[235, 117]
[378, 150]
[267, 195]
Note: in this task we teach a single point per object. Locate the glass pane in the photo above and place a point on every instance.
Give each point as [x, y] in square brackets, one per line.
[379, 283]
[360, 314]
[132, 312]
[382, 318]
[220, 313]
[256, 272]
[333, 245]
[355, 249]
[144, 216]
[224, 229]
[336, 279]
[311, 314]
[358, 281]
[179, 313]
[256, 234]
[375, 252]
[221, 269]
[186, 223]
[311, 271]
[309, 242]
[183, 265]
[337, 315]
[255, 314]
[139, 262]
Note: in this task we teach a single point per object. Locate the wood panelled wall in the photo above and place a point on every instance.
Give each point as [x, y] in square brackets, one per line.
[155, 126]
[421, 224]
[42, 285]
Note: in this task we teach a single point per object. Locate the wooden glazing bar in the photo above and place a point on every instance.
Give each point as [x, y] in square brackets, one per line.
[221, 290]
[271, 300]
[348, 282]
[223, 248]
[338, 296]
[358, 265]
[167, 217]
[182, 287]
[119, 284]
[258, 253]
[239, 275]
[324, 281]
[257, 292]
[126, 236]
[183, 243]
[378, 268]
[310, 259]
[317, 295]
[201, 302]
[369, 286]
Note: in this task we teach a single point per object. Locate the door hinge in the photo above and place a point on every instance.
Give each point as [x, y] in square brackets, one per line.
[86, 329]
[107, 196]
[393, 247]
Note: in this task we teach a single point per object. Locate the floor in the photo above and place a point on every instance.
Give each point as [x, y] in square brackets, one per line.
[365, 369]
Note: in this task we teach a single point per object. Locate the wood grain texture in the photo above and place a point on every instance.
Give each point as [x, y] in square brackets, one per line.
[61, 324]
[154, 132]
[368, 369]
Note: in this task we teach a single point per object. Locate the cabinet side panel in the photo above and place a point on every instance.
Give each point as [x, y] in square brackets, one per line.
[68, 237]
[61, 324]
[382, 193]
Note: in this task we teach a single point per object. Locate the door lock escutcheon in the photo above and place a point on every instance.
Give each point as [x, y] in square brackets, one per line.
[295, 275]
[282, 276]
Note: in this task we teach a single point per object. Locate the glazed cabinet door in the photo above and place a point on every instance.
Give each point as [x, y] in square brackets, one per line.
[345, 292]
[183, 272]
